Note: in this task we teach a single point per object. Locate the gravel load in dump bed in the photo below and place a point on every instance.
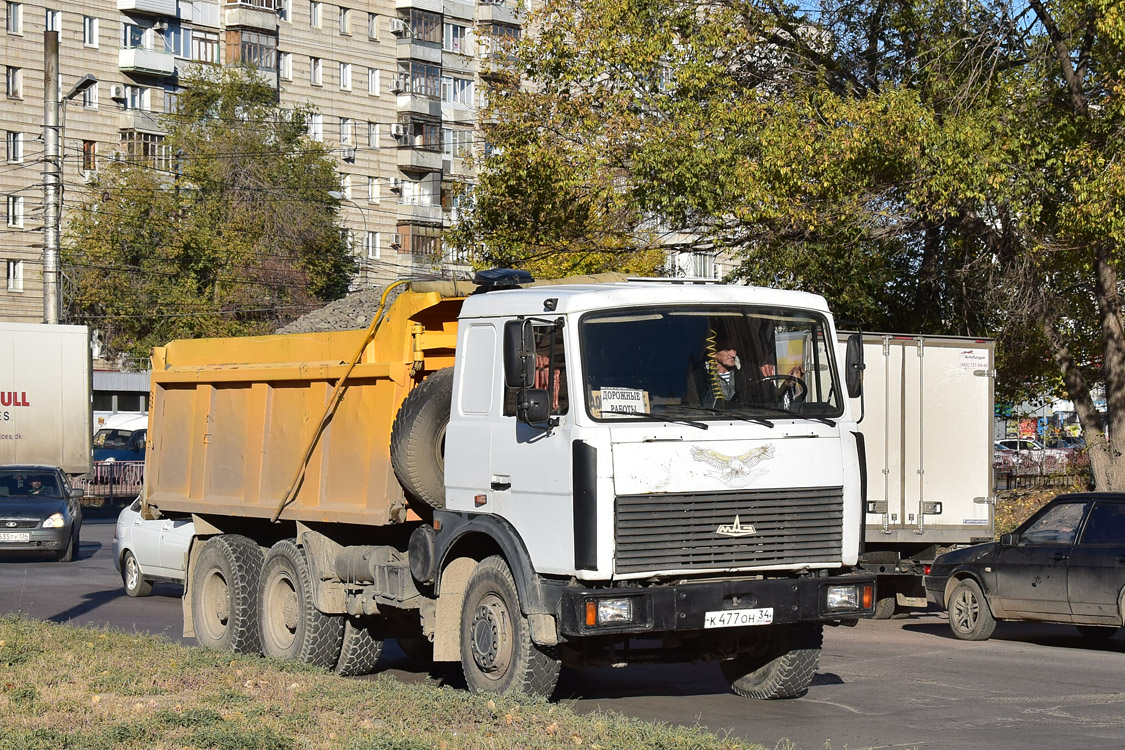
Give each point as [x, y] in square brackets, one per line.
[353, 311]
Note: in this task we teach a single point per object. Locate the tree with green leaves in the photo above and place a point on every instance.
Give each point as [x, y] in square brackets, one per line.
[227, 227]
[936, 166]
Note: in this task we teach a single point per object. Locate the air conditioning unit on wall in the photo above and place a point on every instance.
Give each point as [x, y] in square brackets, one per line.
[398, 130]
[399, 27]
[117, 92]
[396, 184]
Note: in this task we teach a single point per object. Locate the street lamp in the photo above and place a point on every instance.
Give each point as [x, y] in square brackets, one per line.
[337, 195]
[52, 169]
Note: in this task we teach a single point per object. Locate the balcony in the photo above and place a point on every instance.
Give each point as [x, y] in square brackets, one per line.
[414, 213]
[419, 160]
[434, 6]
[146, 61]
[426, 106]
[140, 120]
[148, 7]
[251, 15]
[493, 12]
[410, 49]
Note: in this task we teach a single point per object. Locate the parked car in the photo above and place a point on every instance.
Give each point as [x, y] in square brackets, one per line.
[39, 511]
[1064, 564]
[148, 550]
[1027, 453]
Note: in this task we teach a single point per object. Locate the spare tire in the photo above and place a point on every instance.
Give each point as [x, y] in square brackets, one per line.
[418, 438]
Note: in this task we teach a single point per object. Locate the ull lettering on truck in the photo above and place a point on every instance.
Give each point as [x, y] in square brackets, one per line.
[519, 479]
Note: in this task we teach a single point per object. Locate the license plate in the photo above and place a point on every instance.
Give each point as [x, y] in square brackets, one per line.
[15, 536]
[736, 618]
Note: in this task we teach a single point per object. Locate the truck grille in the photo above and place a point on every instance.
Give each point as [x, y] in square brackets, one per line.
[679, 531]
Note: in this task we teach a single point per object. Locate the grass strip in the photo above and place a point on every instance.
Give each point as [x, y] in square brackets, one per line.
[64, 687]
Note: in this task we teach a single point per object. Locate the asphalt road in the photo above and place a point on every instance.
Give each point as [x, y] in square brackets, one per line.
[898, 683]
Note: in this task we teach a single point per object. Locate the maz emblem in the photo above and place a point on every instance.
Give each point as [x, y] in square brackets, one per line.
[736, 529]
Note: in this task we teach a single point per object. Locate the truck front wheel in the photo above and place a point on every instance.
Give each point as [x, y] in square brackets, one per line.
[497, 653]
[783, 665]
[224, 589]
[291, 625]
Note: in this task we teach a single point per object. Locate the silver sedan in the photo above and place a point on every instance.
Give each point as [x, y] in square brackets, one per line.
[150, 550]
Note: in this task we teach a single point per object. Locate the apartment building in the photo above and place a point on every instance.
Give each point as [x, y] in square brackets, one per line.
[396, 84]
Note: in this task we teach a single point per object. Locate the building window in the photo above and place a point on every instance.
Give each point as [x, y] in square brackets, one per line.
[345, 76]
[425, 26]
[15, 276]
[90, 31]
[345, 21]
[373, 81]
[285, 10]
[372, 189]
[171, 100]
[456, 143]
[314, 14]
[252, 48]
[89, 156]
[371, 244]
[456, 39]
[140, 147]
[373, 135]
[315, 74]
[285, 65]
[424, 80]
[14, 87]
[346, 186]
[205, 46]
[372, 26]
[137, 97]
[316, 127]
[423, 241]
[347, 131]
[15, 146]
[53, 20]
[15, 18]
[90, 97]
[134, 36]
[15, 210]
[457, 91]
[703, 266]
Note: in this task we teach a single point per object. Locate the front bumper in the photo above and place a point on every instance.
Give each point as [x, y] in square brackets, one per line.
[683, 606]
[39, 540]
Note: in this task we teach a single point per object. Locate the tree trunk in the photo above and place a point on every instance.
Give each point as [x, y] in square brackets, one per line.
[1106, 460]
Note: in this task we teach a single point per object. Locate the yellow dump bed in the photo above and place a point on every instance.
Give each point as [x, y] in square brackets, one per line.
[231, 419]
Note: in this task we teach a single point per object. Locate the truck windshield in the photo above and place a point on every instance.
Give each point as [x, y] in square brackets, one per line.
[709, 362]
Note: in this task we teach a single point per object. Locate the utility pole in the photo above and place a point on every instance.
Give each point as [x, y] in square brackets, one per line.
[52, 182]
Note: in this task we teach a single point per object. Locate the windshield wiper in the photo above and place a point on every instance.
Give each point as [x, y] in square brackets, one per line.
[663, 417]
[795, 415]
[736, 413]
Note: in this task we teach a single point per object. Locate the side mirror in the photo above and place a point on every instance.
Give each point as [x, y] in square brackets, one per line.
[853, 366]
[519, 354]
[534, 406]
[1007, 540]
[77, 493]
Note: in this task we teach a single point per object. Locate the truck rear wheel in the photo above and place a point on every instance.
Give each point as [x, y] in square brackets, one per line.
[418, 438]
[360, 650]
[783, 666]
[497, 653]
[291, 625]
[224, 590]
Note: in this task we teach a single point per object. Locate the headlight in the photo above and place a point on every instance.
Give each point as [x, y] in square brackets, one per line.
[608, 611]
[843, 597]
[56, 521]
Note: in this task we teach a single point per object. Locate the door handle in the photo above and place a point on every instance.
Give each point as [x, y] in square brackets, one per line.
[1059, 557]
[501, 486]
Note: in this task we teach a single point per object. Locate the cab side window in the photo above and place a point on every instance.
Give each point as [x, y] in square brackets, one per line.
[550, 371]
[1106, 524]
[1059, 525]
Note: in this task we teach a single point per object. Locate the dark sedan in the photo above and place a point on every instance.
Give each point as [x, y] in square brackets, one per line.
[39, 512]
[1064, 564]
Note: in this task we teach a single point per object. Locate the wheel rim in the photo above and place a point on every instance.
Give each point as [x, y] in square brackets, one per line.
[132, 573]
[491, 634]
[966, 611]
[216, 604]
[282, 612]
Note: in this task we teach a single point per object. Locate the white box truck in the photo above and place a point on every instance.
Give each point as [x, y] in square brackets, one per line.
[45, 396]
[926, 419]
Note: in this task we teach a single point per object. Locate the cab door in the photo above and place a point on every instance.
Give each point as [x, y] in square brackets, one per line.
[1031, 575]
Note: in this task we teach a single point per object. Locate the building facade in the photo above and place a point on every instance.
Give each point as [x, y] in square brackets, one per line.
[396, 85]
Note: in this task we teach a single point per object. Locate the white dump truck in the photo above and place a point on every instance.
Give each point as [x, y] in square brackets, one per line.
[927, 412]
[521, 478]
